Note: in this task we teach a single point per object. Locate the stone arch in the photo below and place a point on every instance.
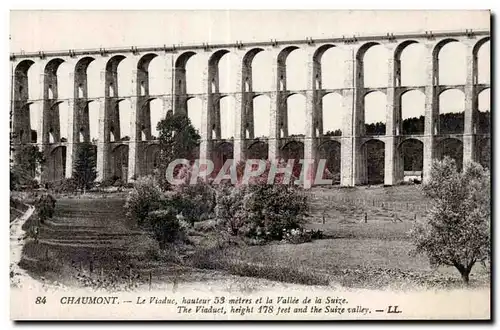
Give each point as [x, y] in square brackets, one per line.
[317, 83]
[152, 158]
[360, 62]
[294, 122]
[142, 80]
[409, 61]
[484, 152]
[331, 152]
[227, 118]
[374, 113]
[483, 124]
[481, 74]
[294, 150]
[372, 162]
[412, 112]
[221, 153]
[258, 150]
[437, 68]
[246, 70]
[332, 114]
[452, 148]
[56, 164]
[119, 157]
[282, 68]
[21, 90]
[81, 82]
[194, 111]
[261, 116]
[21, 107]
[411, 159]
[50, 78]
[451, 111]
[111, 80]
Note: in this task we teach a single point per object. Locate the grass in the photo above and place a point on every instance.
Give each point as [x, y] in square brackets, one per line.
[90, 236]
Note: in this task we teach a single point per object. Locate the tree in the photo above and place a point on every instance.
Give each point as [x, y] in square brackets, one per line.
[84, 168]
[27, 162]
[178, 139]
[457, 232]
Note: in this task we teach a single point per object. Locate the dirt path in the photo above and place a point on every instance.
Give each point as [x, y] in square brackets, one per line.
[18, 276]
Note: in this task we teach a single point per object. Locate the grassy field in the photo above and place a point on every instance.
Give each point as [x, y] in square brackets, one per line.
[91, 242]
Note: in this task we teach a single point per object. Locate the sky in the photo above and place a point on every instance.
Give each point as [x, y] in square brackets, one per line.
[63, 30]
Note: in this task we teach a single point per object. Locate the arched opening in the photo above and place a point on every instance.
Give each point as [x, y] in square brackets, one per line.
[411, 157]
[123, 120]
[375, 104]
[296, 115]
[293, 75]
[333, 68]
[94, 108]
[294, 150]
[228, 73]
[261, 115]
[57, 164]
[221, 153]
[330, 152]
[410, 59]
[372, 65]
[332, 114]
[450, 55]
[194, 110]
[156, 71]
[484, 113]
[258, 150]
[413, 112]
[227, 117]
[152, 159]
[451, 112]
[484, 152]
[156, 111]
[262, 72]
[373, 160]
[22, 111]
[483, 63]
[452, 148]
[120, 162]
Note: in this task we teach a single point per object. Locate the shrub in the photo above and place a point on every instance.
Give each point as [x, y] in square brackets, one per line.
[260, 210]
[195, 202]
[68, 185]
[143, 199]
[230, 208]
[45, 206]
[164, 225]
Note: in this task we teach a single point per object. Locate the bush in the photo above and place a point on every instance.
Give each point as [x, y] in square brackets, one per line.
[229, 208]
[273, 209]
[143, 199]
[68, 185]
[45, 206]
[195, 202]
[164, 225]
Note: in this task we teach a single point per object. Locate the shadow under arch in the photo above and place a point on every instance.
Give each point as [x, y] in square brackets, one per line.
[410, 161]
[221, 152]
[119, 162]
[293, 150]
[453, 148]
[56, 164]
[330, 151]
[258, 150]
[372, 162]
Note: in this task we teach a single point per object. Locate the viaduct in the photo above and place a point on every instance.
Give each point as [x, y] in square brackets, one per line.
[138, 154]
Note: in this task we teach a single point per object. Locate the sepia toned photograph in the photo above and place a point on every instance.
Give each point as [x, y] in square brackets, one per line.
[250, 165]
